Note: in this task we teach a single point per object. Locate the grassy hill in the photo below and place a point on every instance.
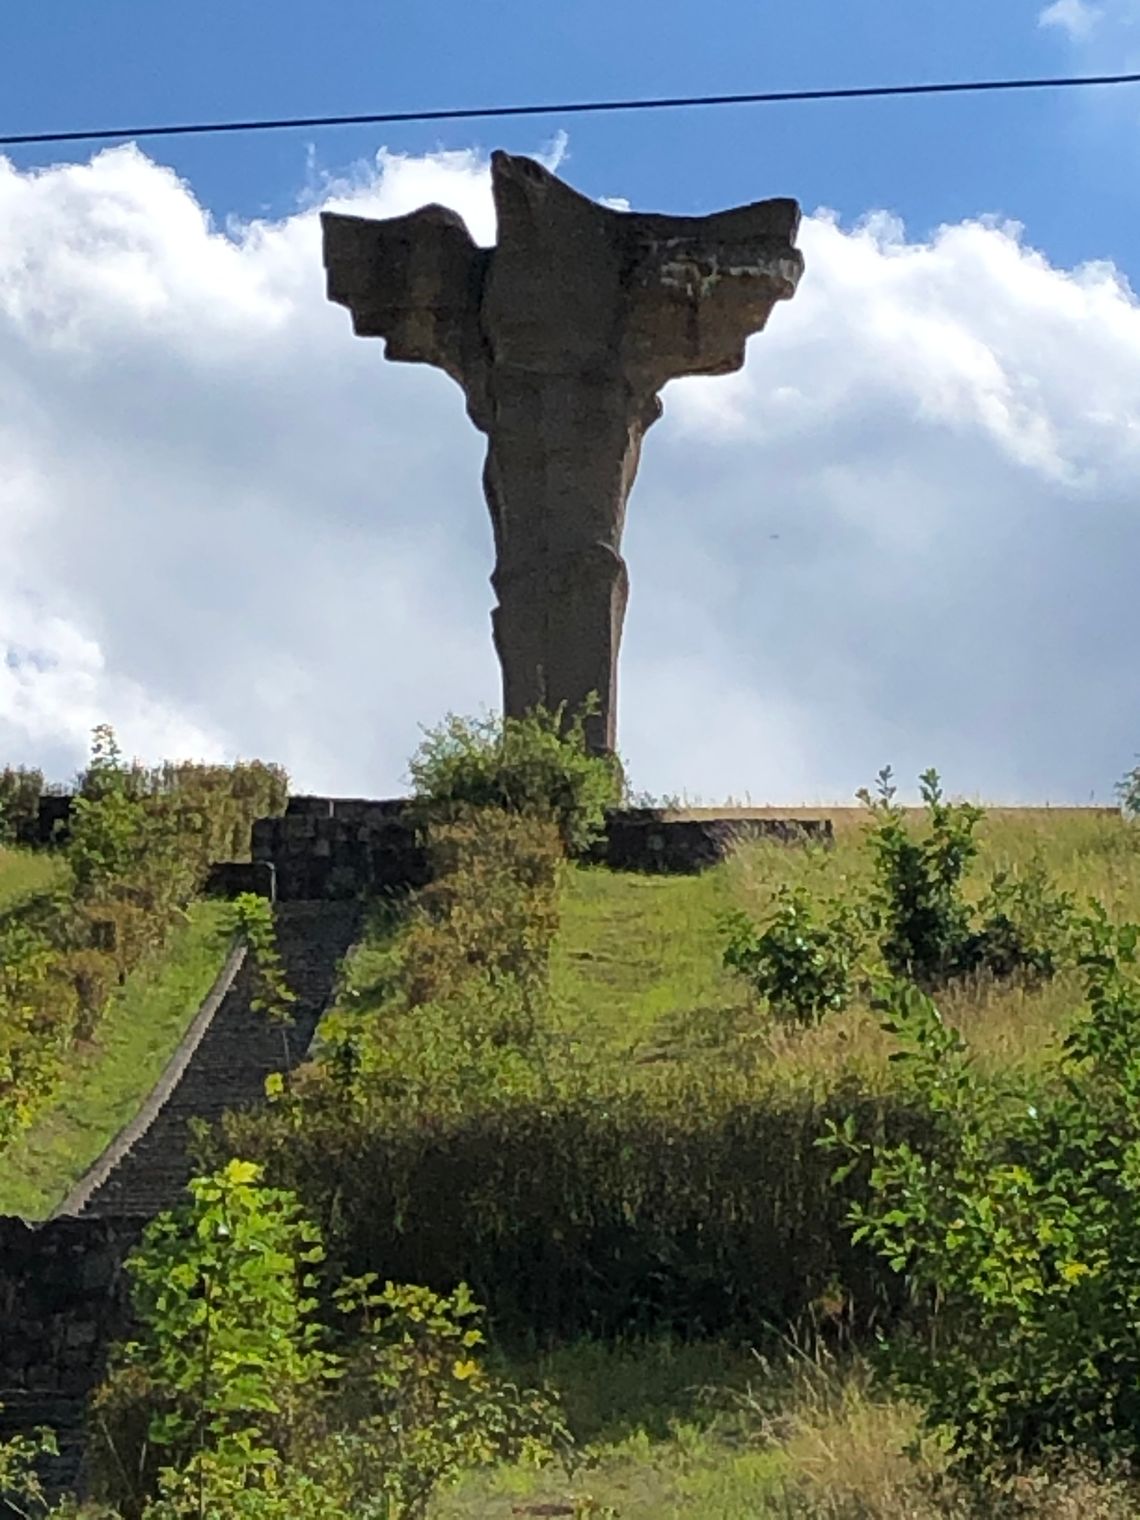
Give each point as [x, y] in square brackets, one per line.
[745, 1424]
[716, 1430]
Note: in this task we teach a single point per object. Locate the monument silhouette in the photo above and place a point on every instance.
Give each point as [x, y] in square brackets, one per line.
[561, 335]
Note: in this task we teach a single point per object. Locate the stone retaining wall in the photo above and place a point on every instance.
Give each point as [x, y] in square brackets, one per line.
[335, 848]
[329, 847]
[642, 839]
[64, 1297]
[340, 847]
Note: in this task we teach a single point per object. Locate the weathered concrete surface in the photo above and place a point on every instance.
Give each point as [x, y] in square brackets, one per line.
[561, 336]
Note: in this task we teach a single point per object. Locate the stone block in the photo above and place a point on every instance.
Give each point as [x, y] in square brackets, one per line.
[316, 807]
[233, 878]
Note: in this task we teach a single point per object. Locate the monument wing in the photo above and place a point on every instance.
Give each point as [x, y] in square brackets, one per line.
[413, 280]
[698, 287]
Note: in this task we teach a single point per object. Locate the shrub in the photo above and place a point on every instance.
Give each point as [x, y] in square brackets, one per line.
[923, 920]
[37, 1013]
[1128, 790]
[1026, 925]
[576, 1204]
[236, 1380]
[251, 918]
[803, 968]
[490, 909]
[538, 764]
[1019, 1216]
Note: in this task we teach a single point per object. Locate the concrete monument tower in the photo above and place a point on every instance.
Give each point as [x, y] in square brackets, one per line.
[561, 336]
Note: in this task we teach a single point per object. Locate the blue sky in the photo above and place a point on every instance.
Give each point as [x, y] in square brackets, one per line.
[1052, 161]
[905, 533]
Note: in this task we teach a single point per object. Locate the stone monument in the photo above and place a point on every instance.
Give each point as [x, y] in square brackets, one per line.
[561, 336]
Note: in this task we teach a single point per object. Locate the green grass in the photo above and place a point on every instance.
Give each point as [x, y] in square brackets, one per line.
[25, 874]
[635, 960]
[661, 1431]
[636, 971]
[711, 1432]
[107, 1080]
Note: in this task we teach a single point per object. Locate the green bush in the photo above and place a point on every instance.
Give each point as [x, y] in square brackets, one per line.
[1025, 925]
[491, 907]
[575, 1205]
[922, 918]
[38, 1011]
[803, 968]
[1019, 1215]
[538, 764]
[1128, 791]
[926, 929]
[237, 1400]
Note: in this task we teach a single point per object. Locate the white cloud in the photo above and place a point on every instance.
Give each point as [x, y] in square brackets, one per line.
[1077, 17]
[906, 532]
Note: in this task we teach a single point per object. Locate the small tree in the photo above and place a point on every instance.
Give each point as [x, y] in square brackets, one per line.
[802, 967]
[224, 1290]
[924, 921]
[108, 824]
[1019, 1218]
[233, 1382]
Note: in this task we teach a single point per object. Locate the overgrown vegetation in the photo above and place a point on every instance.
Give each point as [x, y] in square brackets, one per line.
[538, 765]
[911, 920]
[236, 1400]
[20, 791]
[1018, 1216]
[608, 1121]
[580, 1196]
[138, 845]
[102, 1083]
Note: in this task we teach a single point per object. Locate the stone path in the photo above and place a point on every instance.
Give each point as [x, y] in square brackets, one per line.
[227, 1070]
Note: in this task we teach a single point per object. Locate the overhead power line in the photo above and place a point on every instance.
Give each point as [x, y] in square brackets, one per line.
[569, 108]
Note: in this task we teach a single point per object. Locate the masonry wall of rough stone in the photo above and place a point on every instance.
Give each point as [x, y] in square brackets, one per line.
[64, 1297]
[341, 847]
[338, 847]
[640, 839]
[334, 848]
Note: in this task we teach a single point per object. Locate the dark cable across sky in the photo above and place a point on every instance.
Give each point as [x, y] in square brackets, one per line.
[570, 108]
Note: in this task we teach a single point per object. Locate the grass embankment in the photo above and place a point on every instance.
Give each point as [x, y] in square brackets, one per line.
[707, 1431]
[637, 977]
[25, 874]
[107, 1079]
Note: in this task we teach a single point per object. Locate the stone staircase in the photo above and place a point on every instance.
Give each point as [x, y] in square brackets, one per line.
[226, 1069]
[236, 1054]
